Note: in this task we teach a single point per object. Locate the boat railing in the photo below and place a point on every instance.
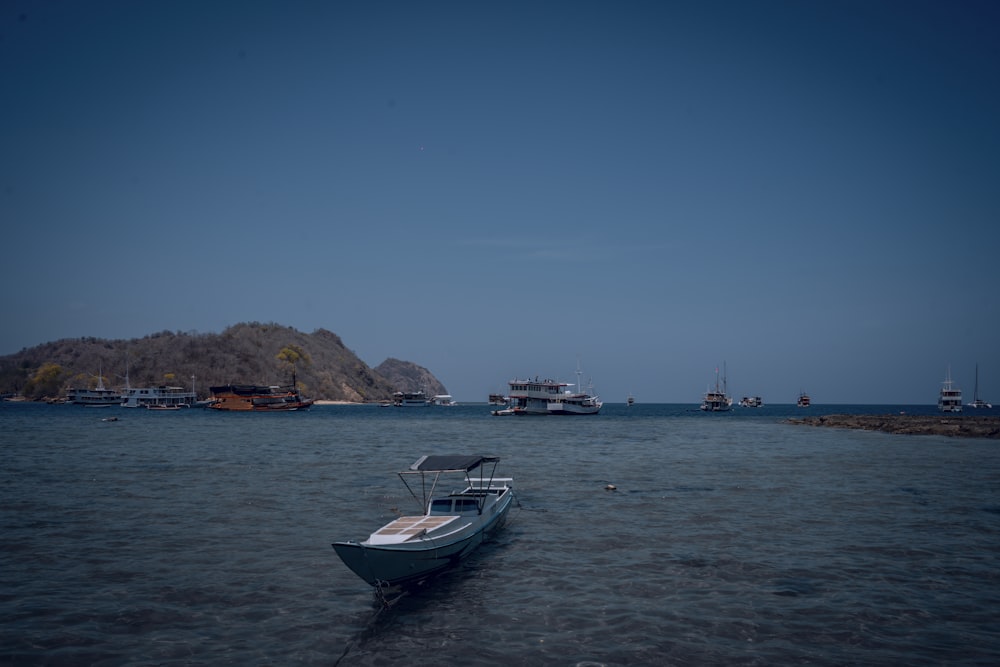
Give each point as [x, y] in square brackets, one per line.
[488, 482]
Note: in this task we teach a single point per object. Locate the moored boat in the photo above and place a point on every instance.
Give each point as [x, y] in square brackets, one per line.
[410, 399]
[256, 398]
[157, 397]
[751, 402]
[976, 401]
[443, 400]
[950, 397]
[803, 401]
[450, 527]
[717, 400]
[549, 397]
[97, 397]
[498, 399]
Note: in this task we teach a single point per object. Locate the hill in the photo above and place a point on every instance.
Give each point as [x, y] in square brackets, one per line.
[407, 376]
[246, 353]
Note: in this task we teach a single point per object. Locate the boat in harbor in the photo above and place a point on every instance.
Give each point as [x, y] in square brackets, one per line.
[550, 397]
[451, 525]
[97, 397]
[717, 400]
[976, 401]
[498, 399]
[410, 399]
[803, 401]
[444, 400]
[751, 402]
[629, 401]
[157, 397]
[950, 397]
[256, 398]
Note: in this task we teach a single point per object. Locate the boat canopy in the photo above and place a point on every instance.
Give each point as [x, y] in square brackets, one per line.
[451, 463]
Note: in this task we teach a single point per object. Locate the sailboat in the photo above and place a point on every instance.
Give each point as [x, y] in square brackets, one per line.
[718, 400]
[976, 401]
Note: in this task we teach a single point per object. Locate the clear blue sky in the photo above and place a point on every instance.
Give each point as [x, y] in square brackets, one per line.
[806, 191]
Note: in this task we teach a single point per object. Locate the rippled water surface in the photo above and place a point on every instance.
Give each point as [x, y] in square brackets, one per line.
[194, 537]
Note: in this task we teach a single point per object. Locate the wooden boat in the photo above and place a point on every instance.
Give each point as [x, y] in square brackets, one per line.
[451, 526]
[255, 398]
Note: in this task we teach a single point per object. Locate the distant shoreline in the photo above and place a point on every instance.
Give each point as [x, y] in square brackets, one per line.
[964, 426]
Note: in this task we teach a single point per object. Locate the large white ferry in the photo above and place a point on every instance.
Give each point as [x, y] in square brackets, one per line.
[549, 397]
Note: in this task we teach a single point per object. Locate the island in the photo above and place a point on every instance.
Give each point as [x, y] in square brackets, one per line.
[963, 426]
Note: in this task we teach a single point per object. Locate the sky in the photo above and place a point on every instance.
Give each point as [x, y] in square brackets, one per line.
[805, 194]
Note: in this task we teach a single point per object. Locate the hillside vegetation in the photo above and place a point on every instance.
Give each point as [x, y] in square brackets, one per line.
[246, 353]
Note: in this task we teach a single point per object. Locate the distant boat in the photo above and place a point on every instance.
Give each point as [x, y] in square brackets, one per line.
[410, 399]
[717, 400]
[950, 398]
[751, 402]
[498, 399]
[630, 401]
[804, 400]
[98, 397]
[976, 401]
[444, 400]
[451, 525]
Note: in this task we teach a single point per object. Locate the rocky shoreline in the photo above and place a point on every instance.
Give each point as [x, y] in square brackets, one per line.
[956, 426]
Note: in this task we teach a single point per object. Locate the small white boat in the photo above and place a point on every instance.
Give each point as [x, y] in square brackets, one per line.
[751, 402]
[976, 401]
[803, 401]
[950, 398]
[453, 524]
[443, 400]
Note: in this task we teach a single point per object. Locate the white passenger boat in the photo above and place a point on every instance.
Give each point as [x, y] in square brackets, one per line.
[443, 400]
[157, 397]
[452, 524]
[410, 399]
[550, 397]
[751, 402]
[950, 398]
[98, 397]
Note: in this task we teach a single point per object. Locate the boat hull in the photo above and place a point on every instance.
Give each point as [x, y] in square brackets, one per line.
[414, 560]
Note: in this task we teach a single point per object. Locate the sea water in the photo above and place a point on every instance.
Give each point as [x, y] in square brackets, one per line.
[194, 537]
